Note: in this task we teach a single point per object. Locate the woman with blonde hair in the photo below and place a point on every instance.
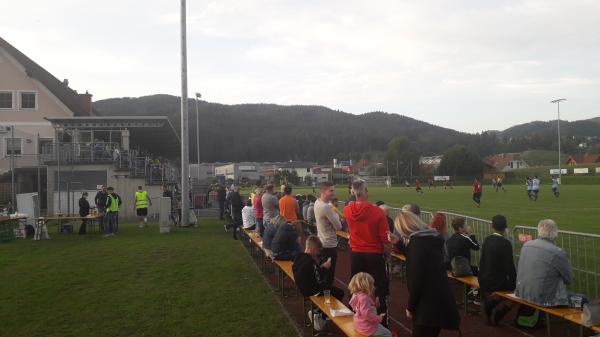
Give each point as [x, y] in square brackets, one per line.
[431, 305]
[271, 230]
[366, 320]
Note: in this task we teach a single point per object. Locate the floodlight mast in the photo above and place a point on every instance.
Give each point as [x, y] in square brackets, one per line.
[557, 102]
[185, 157]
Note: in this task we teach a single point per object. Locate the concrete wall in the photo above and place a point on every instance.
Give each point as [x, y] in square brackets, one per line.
[124, 187]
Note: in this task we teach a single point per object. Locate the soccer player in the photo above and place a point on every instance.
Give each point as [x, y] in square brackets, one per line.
[418, 186]
[499, 184]
[477, 189]
[529, 185]
[555, 187]
[535, 188]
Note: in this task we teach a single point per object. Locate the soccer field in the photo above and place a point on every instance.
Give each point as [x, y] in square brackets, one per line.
[577, 208]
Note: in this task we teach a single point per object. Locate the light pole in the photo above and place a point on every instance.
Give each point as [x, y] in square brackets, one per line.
[198, 135]
[185, 156]
[557, 102]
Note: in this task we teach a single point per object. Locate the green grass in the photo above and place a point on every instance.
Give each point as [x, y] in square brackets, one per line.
[191, 282]
[577, 209]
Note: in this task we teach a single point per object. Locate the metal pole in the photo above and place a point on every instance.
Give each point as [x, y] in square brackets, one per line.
[185, 160]
[12, 166]
[198, 137]
[57, 145]
[558, 127]
[557, 101]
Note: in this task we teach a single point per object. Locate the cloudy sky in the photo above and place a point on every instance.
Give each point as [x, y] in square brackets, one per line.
[470, 65]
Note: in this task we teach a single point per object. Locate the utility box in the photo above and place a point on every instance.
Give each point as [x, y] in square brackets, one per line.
[164, 216]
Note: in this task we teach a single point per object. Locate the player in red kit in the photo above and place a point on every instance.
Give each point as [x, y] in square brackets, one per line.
[477, 189]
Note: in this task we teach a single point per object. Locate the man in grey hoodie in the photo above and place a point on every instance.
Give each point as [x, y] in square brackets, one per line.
[544, 269]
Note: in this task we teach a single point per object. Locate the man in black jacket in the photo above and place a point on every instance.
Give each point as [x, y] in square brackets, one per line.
[84, 211]
[309, 272]
[221, 196]
[235, 201]
[496, 271]
[100, 202]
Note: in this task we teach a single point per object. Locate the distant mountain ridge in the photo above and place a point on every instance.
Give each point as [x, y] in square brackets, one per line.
[270, 132]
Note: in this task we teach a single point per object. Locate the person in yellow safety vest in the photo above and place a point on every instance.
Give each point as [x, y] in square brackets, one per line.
[142, 201]
[113, 201]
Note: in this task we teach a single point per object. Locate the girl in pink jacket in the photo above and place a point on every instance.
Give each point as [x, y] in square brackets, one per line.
[366, 320]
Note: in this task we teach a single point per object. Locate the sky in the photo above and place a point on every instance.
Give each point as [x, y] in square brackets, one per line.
[470, 65]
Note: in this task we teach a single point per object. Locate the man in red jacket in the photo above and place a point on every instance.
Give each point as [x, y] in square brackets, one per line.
[369, 242]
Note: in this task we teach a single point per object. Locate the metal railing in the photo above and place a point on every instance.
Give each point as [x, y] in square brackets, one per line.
[81, 153]
[583, 250]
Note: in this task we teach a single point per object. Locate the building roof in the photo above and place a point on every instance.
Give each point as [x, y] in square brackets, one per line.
[155, 134]
[297, 165]
[584, 159]
[503, 160]
[69, 97]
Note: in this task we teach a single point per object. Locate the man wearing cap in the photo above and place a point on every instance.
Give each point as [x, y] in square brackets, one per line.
[113, 201]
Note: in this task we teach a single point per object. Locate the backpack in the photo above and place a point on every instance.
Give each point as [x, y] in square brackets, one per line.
[461, 266]
[527, 317]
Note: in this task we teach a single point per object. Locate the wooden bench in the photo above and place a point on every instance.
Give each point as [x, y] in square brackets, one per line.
[570, 314]
[467, 282]
[284, 269]
[576, 318]
[344, 323]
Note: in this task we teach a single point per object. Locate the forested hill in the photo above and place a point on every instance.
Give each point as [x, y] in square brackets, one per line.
[270, 132]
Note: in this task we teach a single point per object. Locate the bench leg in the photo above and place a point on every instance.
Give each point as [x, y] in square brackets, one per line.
[548, 324]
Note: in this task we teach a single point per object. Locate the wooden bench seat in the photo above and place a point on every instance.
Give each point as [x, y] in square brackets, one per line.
[576, 318]
[399, 256]
[471, 281]
[344, 323]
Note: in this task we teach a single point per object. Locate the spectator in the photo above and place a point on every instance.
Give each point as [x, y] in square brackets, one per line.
[113, 202]
[286, 243]
[439, 223]
[221, 197]
[460, 244]
[235, 201]
[369, 230]
[248, 217]
[327, 225]
[496, 271]
[84, 211]
[271, 230]
[270, 205]
[310, 213]
[100, 199]
[334, 205]
[400, 246]
[414, 209]
[386, 210]
[288, 206]
[366, 321]
[305, 205]
[258, 210]
[308, 271]
[431, 305]
[544, 269]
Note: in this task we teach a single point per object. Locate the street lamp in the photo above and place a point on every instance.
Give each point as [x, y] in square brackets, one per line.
[198, 135]
[557, 102]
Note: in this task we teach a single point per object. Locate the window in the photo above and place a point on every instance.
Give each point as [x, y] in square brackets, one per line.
[6, 100]
[13, 146]
[28, 100]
